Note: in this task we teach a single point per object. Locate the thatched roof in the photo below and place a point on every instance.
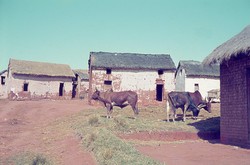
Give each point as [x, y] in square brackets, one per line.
[239, 45]
[197, 69]
[83, 74]
[131, 61]
[22, 67]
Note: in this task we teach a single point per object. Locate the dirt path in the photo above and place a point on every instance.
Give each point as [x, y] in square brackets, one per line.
[25, 126]
[196, 153]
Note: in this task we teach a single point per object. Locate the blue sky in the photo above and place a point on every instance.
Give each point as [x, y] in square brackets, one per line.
[66, 31]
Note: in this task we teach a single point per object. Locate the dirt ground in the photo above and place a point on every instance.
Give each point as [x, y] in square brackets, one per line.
[25, 126]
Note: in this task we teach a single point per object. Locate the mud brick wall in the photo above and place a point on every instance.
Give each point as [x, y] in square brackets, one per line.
[234, 106]
[142, 82]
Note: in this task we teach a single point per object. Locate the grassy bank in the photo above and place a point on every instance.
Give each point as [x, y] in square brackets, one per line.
[106, 146]
[98, 134]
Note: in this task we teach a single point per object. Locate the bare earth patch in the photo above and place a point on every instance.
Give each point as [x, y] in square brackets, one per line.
[187, 148]
[26, 126]
[196, 153]
[36, 126]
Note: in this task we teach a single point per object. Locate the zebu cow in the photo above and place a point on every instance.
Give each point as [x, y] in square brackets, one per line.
[197, 100]
[187, 101]
[120, 99]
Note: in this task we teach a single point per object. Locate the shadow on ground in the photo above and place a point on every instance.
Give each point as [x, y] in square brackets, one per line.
[208, 129]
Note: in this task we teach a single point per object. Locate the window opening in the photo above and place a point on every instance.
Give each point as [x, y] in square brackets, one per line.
[25, 86]
[108, 71]
[160, 72]
[196, 87]
[108, 82]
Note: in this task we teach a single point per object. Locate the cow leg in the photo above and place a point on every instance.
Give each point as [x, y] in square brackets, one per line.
[173, 113]
[109, 110]
[133, 104]
[135, 109]
[184, 112]
[167, 110]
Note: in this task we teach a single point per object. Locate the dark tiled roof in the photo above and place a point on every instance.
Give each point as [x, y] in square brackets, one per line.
[131, 61]
[196, 68]
[83, 74]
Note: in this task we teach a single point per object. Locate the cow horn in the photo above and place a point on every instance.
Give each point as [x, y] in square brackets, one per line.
[201, 106]
[205, 100]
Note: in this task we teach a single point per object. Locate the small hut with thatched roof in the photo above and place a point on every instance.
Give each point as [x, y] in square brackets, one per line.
[150, 75]
[193, 75]
[38, 80]
[234, 59]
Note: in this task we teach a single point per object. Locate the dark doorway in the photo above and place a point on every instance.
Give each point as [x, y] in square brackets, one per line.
[159, 92]
[74, 91]
[248, 101]
[61, 87]
[3, 80]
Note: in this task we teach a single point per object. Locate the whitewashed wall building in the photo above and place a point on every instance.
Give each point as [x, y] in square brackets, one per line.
[3, 85]
[80, 84]
[192, 75]
[150, 75]
[38, 80]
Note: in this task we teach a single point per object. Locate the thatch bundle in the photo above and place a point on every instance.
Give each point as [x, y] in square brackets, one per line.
[22, 67]
[238, 45]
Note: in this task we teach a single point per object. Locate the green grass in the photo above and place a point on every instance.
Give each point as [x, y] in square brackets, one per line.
[106, 146]
[99, 133]
[28, 158]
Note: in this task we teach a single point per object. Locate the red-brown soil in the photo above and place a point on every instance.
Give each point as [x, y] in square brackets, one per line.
[25, 126]
[196, 153]
[28, 126]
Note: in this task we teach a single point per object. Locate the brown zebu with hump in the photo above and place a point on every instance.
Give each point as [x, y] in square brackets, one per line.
[187, 101]
[120, 99]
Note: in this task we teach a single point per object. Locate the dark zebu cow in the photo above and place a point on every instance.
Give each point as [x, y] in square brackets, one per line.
[199, 102]
[187, 101]
[120, 99]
